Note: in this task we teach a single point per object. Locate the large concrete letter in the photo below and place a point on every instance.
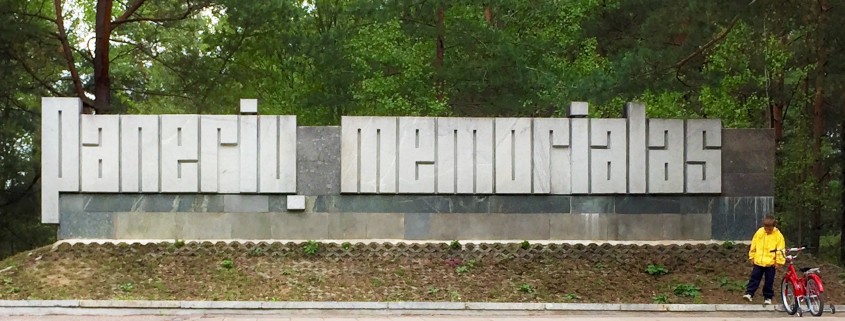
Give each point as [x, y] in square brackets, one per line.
[100, 156]
[513, 155]
[368, 155]
[139, 142]
[665, 156]
[219, 156]
[608, 147]
[635, 113]
[580, 148]
[552, 156]
[248, 148]
[704, 156]
[59, 153]
[416, 154]
[465, 155]
[277, 154]
[179, 153]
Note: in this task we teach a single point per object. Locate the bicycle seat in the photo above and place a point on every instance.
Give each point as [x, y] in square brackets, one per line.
[809, 270]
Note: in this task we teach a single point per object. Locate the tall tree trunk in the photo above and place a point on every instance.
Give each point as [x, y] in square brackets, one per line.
[842, 195]
[102, 81]
[818, 124]
[68, 52]
[438, 63]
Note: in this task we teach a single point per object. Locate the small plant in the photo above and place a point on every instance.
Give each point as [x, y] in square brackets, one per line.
[178, 243]
[376, 282]
[15, 290]
[126, 287]
[311, 247]
[7, 281]
[432, 290]
[227, 264]
[400, 272]
[660, 299]
[728, 245]
[257, 251]
[731, 285]
[346, 246]
[599, 266]
[525, 245]
[526, 288]
[455, 245]
[454, 295]
[687, 290]
[571, 296]
[656, 270]
[462, 269]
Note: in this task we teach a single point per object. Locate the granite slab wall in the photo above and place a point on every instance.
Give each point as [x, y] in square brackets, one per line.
[747, 185]
[494, 217]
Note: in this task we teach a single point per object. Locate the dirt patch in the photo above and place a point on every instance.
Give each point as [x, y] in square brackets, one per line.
[389, 272]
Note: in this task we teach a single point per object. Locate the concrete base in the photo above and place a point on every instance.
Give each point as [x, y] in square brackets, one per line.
[410, 217]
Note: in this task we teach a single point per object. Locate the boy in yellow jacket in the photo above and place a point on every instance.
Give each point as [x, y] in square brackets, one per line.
[765, 261]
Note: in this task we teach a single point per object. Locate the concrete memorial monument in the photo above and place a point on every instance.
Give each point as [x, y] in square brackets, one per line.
[263, 177]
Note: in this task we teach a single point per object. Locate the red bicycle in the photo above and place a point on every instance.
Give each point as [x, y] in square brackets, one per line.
[808, 289]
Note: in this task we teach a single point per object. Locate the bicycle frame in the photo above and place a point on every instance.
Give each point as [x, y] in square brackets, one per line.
[799, 284]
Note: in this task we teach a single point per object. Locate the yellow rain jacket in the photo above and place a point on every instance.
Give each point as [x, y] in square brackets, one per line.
[761, 246]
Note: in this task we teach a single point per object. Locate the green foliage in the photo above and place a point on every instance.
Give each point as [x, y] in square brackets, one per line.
[455, 245]
[466, 267]
[660, 299]
[178, 243]
[571, 297]
[656, 270]
[525, 245]
[731, 285]
[728, 245]
[432, 290]
[126, 287]
[227, 264]
[346, 246]
[311, 247]
[687, 290]
[527, 288]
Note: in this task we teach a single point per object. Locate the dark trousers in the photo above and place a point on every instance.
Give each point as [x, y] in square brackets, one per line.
[754, 281]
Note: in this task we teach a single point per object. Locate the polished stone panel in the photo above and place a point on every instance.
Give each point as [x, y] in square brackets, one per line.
[248, 153]
[277, 154]
[703, 156]
[513, 155]
[100, 153]
[416, 154]
[179, 153]
[368, 154]
[608, 149]
[635, 114]
[219, 155]
[464, 155]
[552, 156]
[59, 153]
[666, 156]
[139, 153]
[580, 152]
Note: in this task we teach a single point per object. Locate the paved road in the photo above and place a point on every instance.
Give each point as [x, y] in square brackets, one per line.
[583, 317]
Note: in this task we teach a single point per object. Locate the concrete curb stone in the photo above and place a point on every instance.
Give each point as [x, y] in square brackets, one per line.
[146, 307]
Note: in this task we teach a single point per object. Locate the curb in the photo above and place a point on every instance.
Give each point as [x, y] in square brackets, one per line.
[117, 307]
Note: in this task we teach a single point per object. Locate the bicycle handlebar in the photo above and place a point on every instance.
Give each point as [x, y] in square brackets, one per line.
[794, 249]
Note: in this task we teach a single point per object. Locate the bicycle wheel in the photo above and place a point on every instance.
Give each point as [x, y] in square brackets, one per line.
[814, 298]
[787, 294]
